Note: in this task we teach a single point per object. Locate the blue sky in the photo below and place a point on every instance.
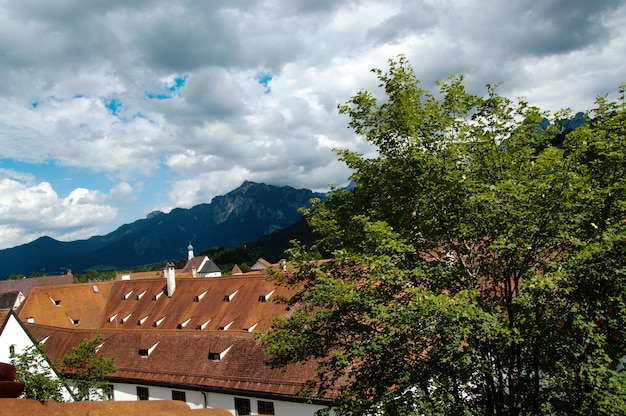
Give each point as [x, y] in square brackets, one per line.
[114, 109]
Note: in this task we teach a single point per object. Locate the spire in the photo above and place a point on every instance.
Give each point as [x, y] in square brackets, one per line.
[189, 251]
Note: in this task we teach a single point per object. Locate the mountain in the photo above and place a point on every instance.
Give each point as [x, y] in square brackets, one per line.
[243, 215]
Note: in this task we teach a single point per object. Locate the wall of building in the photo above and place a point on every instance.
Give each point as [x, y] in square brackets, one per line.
[195, 400]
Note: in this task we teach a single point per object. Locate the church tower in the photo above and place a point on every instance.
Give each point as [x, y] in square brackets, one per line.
[189, 251]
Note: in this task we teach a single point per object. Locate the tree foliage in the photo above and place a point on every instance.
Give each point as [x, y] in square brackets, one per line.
[86, 369]
[40, 382]
[479, 260]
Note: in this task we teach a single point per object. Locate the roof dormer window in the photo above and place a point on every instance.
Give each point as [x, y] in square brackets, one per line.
[112, 318]
[158, 322]
[145, 352]
[124, 319]
[127, 295]
[225, 327]
[228, 298]
[200, 296]
[203, 325]
[265, 298]
[139, 296]
[142, 320]
[218, 356]
[158, 295]
[183, 324]
[55, 302]
[251, 328]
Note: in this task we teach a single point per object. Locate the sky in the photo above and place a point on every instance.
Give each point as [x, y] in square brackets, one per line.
[113, 109]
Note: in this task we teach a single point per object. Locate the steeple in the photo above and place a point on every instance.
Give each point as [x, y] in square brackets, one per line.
[189, 251]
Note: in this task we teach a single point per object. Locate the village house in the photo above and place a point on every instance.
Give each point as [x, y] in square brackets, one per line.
[178, 337]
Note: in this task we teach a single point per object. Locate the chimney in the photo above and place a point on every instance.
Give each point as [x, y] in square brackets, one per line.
[194, 272]
[171, 279]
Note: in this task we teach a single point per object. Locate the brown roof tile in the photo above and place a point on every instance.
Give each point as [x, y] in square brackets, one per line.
[62, 306]
[106, 408]
[194, 303]
[185, 358]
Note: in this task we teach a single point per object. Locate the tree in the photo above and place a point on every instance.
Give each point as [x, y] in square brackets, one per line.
[40, 381]
[479, 262]
[86, 369]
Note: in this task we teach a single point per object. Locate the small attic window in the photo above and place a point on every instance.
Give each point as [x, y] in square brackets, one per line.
[139, 296]
[230, 297]
[158, 295]
[218, 356]
[202, 326]
[124, 319]
[126, 296]
[200, 296]
[43, 341]
[112, 318]
[74, 322]
[225, 327]
[55, 302]
[158, 322]
[142, 320]
[265, 298]
[251, 327]
[30, 320]
[145, 352]
[183, 324]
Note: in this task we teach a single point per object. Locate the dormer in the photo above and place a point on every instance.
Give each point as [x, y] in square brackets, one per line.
[139, 296]
[225, 327]
[183, 324]
[218, 356]
[266, 297]
[202, 325]
[228, 298]
[200, 296]
[145, 352]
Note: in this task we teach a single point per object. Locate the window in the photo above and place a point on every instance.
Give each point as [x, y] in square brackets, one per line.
[265, 408]
[179, 395]
[242, 406]
[12, 350]
[142, 393]
[108, 392]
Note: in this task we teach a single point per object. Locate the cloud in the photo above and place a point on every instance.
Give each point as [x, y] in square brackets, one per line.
[29, 210]
[183, 101]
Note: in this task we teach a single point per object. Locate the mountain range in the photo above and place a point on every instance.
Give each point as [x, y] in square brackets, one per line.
[242, 216]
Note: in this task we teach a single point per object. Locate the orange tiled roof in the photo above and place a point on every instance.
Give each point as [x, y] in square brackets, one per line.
[107, 408]
[211, 360]
[67, 306]
[238, 303]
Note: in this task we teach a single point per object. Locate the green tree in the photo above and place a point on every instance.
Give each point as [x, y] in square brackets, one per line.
[86, 369]
[16, 277]
[33, 369]
[480, 263]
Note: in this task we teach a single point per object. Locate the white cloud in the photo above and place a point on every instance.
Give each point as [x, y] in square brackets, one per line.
[30, 210]
[92, 86]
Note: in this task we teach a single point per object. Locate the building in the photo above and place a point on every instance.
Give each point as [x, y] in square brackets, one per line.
[189, 339]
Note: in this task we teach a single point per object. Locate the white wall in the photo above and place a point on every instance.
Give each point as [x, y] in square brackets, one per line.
[195, 400]
[15, 335]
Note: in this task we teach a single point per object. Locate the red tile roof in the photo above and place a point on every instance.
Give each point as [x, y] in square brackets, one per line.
[107, 408]
[62, 306]
[194, 303]
[184, 358]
